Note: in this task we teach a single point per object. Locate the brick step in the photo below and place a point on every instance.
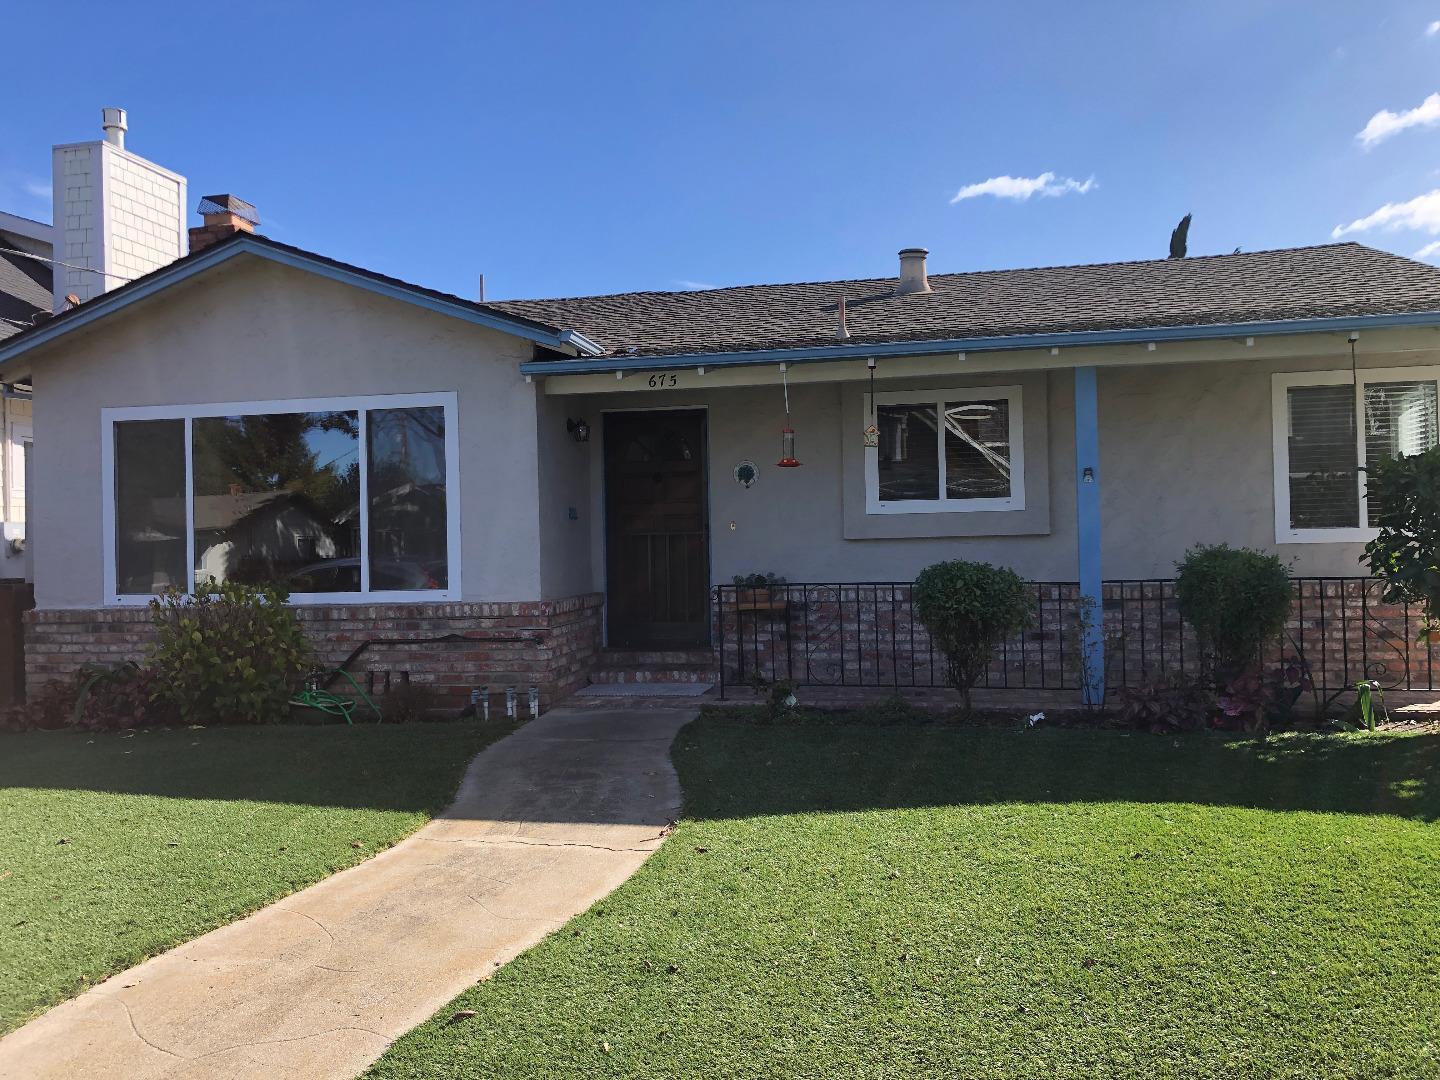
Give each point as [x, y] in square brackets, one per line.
[655, 673]
[644, 657]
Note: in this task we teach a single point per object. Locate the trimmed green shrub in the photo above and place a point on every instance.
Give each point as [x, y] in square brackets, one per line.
[969, 608]
[230, 653]
[1404, 496]
[1237, 600]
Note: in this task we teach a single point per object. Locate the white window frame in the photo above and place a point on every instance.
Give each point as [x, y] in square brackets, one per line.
[1016, 499]
[361, 405]
[1281, 383]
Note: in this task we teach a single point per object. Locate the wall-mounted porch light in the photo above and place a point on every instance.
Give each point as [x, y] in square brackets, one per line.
[579, 430]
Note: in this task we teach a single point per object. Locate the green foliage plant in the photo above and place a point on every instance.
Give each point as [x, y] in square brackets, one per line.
[969, 608]
[1404, 499]
[1237, 600]
[232, 652]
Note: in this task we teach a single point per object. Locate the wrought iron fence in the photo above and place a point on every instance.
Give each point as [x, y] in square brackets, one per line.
[865, 634]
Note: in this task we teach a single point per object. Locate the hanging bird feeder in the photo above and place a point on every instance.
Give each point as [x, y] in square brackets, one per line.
[787, 433]
[787, 449]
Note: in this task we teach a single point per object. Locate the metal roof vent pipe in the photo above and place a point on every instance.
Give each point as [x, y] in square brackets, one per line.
[113, 121]
[912, 272]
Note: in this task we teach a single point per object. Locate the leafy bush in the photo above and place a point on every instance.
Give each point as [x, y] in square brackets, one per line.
[1404, 496]
[1165, 704]
[47, 708]
[1257, 701]
[94, 699]
[969, 608]
[1237, 600]
[232, 652]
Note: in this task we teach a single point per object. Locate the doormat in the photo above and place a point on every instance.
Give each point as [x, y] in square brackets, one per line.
[654, 689]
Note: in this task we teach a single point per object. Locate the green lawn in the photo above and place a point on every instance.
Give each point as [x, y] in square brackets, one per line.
[935, 901]
[113, 848]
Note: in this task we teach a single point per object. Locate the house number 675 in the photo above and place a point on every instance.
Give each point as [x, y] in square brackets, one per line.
[663, 380]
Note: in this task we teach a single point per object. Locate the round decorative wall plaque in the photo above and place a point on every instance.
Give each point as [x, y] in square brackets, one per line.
[746, 473]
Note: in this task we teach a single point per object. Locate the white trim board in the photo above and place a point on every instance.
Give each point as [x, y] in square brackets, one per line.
[448, 400]
[939, 397]
[1283, 381]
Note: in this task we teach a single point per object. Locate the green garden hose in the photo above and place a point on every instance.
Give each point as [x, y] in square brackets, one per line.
[312, 697]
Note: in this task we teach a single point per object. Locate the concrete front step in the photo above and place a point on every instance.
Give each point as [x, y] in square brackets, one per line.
[615, 658]
[654, 673]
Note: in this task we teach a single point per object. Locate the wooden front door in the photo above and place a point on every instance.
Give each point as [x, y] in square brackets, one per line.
[657, 537]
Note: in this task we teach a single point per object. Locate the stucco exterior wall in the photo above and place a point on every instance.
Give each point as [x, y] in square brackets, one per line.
[1186, 449]
[1186, 456]
[566, 567]
[253, 330]
[793, 522]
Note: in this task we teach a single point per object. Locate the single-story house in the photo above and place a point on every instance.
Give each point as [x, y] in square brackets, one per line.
[551, 491]
[595, 470]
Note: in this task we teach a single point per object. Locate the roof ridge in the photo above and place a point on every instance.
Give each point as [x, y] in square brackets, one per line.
[943, 274]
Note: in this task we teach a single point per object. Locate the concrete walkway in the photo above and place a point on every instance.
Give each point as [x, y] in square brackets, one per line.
[547, 821]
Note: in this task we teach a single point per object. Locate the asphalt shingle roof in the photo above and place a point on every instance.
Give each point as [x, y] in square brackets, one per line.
[24, 290]
[1333, 280]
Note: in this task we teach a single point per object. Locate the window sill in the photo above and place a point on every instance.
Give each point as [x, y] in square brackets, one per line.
[945, 506]
[1326, 536]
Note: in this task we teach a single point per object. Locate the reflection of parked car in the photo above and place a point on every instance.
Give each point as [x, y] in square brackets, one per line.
[343, 575]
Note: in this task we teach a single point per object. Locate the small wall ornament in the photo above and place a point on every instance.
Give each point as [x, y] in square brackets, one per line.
[746, 473]
[872, 433]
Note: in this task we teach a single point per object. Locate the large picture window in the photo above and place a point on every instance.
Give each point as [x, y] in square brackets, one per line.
[945, 451]
[341, 499]
[1329, 427]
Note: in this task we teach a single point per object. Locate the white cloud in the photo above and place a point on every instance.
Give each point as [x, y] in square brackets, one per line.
[1421, 213]
[1386, 123]
[1433, 28]
[39, 189]
[693, 286]
[1432, 248]
[1021, 188]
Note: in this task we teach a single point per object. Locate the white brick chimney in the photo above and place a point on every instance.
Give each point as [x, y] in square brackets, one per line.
[115, 213]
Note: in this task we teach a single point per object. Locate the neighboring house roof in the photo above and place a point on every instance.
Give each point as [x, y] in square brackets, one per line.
[553, 337]
[25, 288]
[1329, 281]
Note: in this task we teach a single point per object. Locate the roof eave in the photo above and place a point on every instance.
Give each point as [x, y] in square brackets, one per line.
[105, 304]
[931, 347]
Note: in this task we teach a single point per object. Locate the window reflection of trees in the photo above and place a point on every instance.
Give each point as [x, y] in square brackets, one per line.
[277, 496]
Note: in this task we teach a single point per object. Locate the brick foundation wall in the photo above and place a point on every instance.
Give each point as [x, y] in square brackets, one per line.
[550, 644]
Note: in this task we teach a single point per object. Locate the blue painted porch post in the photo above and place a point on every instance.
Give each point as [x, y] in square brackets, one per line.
[1087, 513]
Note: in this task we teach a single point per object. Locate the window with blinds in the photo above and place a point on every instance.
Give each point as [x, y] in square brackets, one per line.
[1399, 421]
[1324, 475]
[1326, 454]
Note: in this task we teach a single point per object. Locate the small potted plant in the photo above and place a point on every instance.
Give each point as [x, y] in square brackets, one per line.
[759, 592]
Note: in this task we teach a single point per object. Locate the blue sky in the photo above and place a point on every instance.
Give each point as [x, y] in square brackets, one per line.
[562, 149]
